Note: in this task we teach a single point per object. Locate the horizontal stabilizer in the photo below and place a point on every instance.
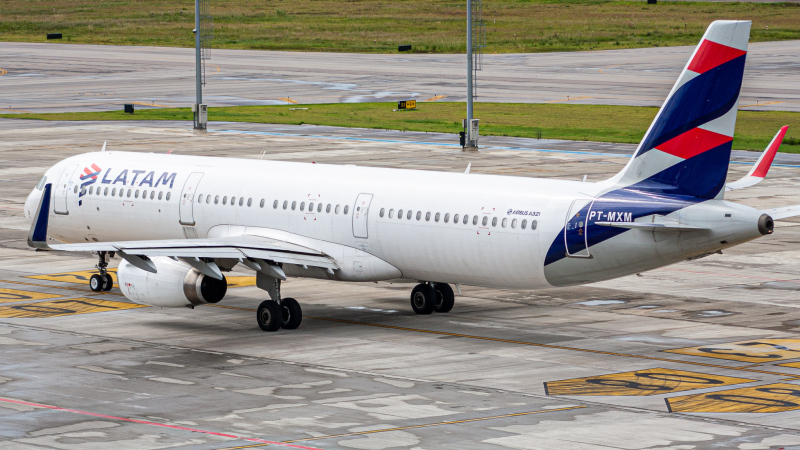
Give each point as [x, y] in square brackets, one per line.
[651, 225]
[783, 212]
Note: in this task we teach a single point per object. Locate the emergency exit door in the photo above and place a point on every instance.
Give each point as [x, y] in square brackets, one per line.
[360, 215]
[187, 198]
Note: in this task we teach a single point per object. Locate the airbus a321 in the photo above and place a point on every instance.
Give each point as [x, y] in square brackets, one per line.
[178, 223]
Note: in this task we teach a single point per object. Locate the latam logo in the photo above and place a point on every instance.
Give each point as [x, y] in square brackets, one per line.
[125, 177]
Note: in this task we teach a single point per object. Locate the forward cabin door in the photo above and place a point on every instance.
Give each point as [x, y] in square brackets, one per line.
[575, 239]
[187, 198]
[360, 215]
[63, 188]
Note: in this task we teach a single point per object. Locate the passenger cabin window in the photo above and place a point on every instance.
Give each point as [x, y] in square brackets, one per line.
[105, 192]
[466, 219]
[319, 207]
[294, 205]
[436, 217]
[447, 218]
[328, 208]
[524, 223]
[382, 211]
[533, 224]
[513, 223]
[337, 209]
[408, 214]
[505, 222]
[200, 198]
[168, 194]
[475, 220]
[91, 190]
[346, 209]
[302, 206]
[241, 201]
[129, 193]
[427, 216]
[274, 204]
[225, 200]
[494, 221]
[208, 199]
[216, 199]
[76, 189]
[485, 220]
[455, 218]
[285, 202]
[152, 194]
[311, 207]
[399, 213]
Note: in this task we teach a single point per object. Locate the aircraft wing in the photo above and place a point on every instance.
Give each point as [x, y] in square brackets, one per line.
[761, 167]
[239, 247]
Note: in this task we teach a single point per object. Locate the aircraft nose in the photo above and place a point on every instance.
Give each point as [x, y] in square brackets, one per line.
[31, 204]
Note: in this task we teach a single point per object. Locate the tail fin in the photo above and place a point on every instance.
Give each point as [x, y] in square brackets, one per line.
[687, 148]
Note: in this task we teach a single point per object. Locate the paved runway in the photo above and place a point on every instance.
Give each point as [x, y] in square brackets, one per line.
[66, 77]
[702, 354]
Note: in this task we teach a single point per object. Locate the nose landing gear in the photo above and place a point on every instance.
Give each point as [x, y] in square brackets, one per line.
[429, 297]
[102, 281]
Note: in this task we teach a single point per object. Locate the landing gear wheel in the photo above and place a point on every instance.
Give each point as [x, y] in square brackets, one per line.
[109, 283]
[291, 314]
[96, 282]
[269, 315]
[445, 298]
[423, 299]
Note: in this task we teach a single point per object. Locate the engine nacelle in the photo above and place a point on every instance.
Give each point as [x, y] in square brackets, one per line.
[176, 284]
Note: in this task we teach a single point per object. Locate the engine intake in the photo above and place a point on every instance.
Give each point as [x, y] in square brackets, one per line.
[175, 285]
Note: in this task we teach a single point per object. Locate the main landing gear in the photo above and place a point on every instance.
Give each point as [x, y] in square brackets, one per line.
[102, 281]
[432, 297]
[277, 312]
[273, 315]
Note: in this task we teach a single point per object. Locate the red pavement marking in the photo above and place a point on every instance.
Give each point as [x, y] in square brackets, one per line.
[145, 422]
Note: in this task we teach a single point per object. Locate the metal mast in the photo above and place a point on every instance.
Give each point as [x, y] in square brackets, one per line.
[198, 68]
[476, 41]
[467, 125]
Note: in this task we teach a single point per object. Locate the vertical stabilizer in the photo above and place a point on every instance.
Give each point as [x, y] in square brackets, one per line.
[687, 148]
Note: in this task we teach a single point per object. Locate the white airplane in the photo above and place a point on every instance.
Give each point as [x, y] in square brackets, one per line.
[179, 222]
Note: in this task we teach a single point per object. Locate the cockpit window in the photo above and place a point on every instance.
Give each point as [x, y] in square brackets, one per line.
[41, 184]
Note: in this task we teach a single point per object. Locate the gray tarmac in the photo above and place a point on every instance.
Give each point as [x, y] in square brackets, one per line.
[39, 77]
[702, 354]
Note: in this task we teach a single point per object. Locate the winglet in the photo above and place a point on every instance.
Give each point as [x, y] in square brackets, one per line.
[37, 236]
[761, 167]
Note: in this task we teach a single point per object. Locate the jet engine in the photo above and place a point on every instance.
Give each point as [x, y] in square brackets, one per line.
[176, 284]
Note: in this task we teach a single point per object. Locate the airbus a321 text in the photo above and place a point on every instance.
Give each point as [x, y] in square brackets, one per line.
[180, 222]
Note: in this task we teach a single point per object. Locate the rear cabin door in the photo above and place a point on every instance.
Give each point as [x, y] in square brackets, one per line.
[575, 239]
[62, 190]
[187, 198]
[360, 215]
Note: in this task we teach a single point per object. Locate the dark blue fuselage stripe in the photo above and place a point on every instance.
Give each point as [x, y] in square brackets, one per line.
[702, 99]
[639, 203]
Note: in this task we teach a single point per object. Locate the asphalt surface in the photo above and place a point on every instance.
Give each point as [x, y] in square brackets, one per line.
[50, 77]
[702, 354]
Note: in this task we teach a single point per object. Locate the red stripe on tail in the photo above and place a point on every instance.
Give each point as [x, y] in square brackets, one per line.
[693, 142]
[710, 55]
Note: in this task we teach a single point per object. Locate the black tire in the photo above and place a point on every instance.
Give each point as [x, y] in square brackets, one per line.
[269, 316]
[445, 298]
[109, 283]
[96, 282]
[423, 299]
[291, 314]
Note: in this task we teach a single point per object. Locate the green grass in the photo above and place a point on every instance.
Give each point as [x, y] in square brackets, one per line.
[381, 25]
[625, 124]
